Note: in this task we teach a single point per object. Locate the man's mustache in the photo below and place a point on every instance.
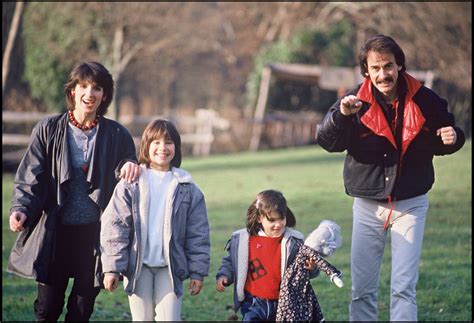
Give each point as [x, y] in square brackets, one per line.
[387, 79]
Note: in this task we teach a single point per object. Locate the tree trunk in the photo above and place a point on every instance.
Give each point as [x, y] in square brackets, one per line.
[10, 43]
[116, 58]
[119, 62]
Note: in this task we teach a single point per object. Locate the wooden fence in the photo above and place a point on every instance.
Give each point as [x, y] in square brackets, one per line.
[326, 77]
[285, 129]
[199, 134]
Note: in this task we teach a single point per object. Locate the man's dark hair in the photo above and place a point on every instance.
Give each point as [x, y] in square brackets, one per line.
[381, 44]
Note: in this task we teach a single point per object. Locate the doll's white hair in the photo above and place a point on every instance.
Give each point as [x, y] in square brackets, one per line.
[325, 239]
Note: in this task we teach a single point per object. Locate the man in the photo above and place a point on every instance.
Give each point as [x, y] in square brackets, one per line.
[391, 126]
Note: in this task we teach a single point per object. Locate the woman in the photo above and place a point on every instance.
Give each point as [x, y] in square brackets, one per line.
[62, 185]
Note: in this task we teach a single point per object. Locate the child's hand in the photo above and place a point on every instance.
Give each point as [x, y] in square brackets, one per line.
[195, 286]
[310, 264]
[111, 281]
[221, 283]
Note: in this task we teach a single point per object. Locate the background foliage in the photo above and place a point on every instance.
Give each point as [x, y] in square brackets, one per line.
[177, 57]
[50, 55]
[333, 47]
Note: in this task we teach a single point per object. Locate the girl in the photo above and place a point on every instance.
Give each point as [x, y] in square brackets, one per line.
[155, 232]
[259, 255]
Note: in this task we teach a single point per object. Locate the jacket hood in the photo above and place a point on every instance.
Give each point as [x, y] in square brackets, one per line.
[180, 174]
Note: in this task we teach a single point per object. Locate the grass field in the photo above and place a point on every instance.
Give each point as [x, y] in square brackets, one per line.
[311, 180]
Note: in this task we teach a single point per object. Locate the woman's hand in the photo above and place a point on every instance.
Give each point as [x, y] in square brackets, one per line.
[130, 172]
[17, 219]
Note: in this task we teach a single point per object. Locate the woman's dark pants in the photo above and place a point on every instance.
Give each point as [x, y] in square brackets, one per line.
[74, 257]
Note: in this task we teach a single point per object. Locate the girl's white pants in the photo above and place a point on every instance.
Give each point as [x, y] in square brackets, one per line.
[407, 223]
[154, 296]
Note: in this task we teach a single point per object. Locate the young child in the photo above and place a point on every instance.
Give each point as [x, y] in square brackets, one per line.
[259, 255]
[155, 231]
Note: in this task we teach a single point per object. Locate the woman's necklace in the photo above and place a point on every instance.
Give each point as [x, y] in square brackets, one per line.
[76, 123]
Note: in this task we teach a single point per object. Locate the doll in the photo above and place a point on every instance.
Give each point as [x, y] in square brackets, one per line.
[297, 301]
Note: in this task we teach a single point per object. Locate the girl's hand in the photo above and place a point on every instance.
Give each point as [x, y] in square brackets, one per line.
[221, 283]
[310, 264]
[195, 286]
[111, 281]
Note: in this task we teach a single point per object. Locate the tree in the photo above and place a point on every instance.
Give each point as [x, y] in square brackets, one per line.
[57, 37]
[55, 40]
[10, 42]
[327, 47]
[173, 55]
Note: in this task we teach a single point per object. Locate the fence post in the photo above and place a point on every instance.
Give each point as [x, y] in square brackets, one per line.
[260, 109]
[204, 123]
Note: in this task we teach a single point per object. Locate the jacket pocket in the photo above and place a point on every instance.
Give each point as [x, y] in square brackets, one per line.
[361, 176]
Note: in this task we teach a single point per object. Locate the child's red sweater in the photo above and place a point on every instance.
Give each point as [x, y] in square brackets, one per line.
[264, 274]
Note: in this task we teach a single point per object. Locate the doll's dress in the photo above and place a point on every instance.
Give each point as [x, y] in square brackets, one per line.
[297, 300]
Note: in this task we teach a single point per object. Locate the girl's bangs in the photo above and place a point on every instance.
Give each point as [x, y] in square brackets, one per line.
[160, 132]
[271, 218]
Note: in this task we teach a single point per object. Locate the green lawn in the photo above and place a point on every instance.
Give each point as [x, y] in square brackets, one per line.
[311, 180]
